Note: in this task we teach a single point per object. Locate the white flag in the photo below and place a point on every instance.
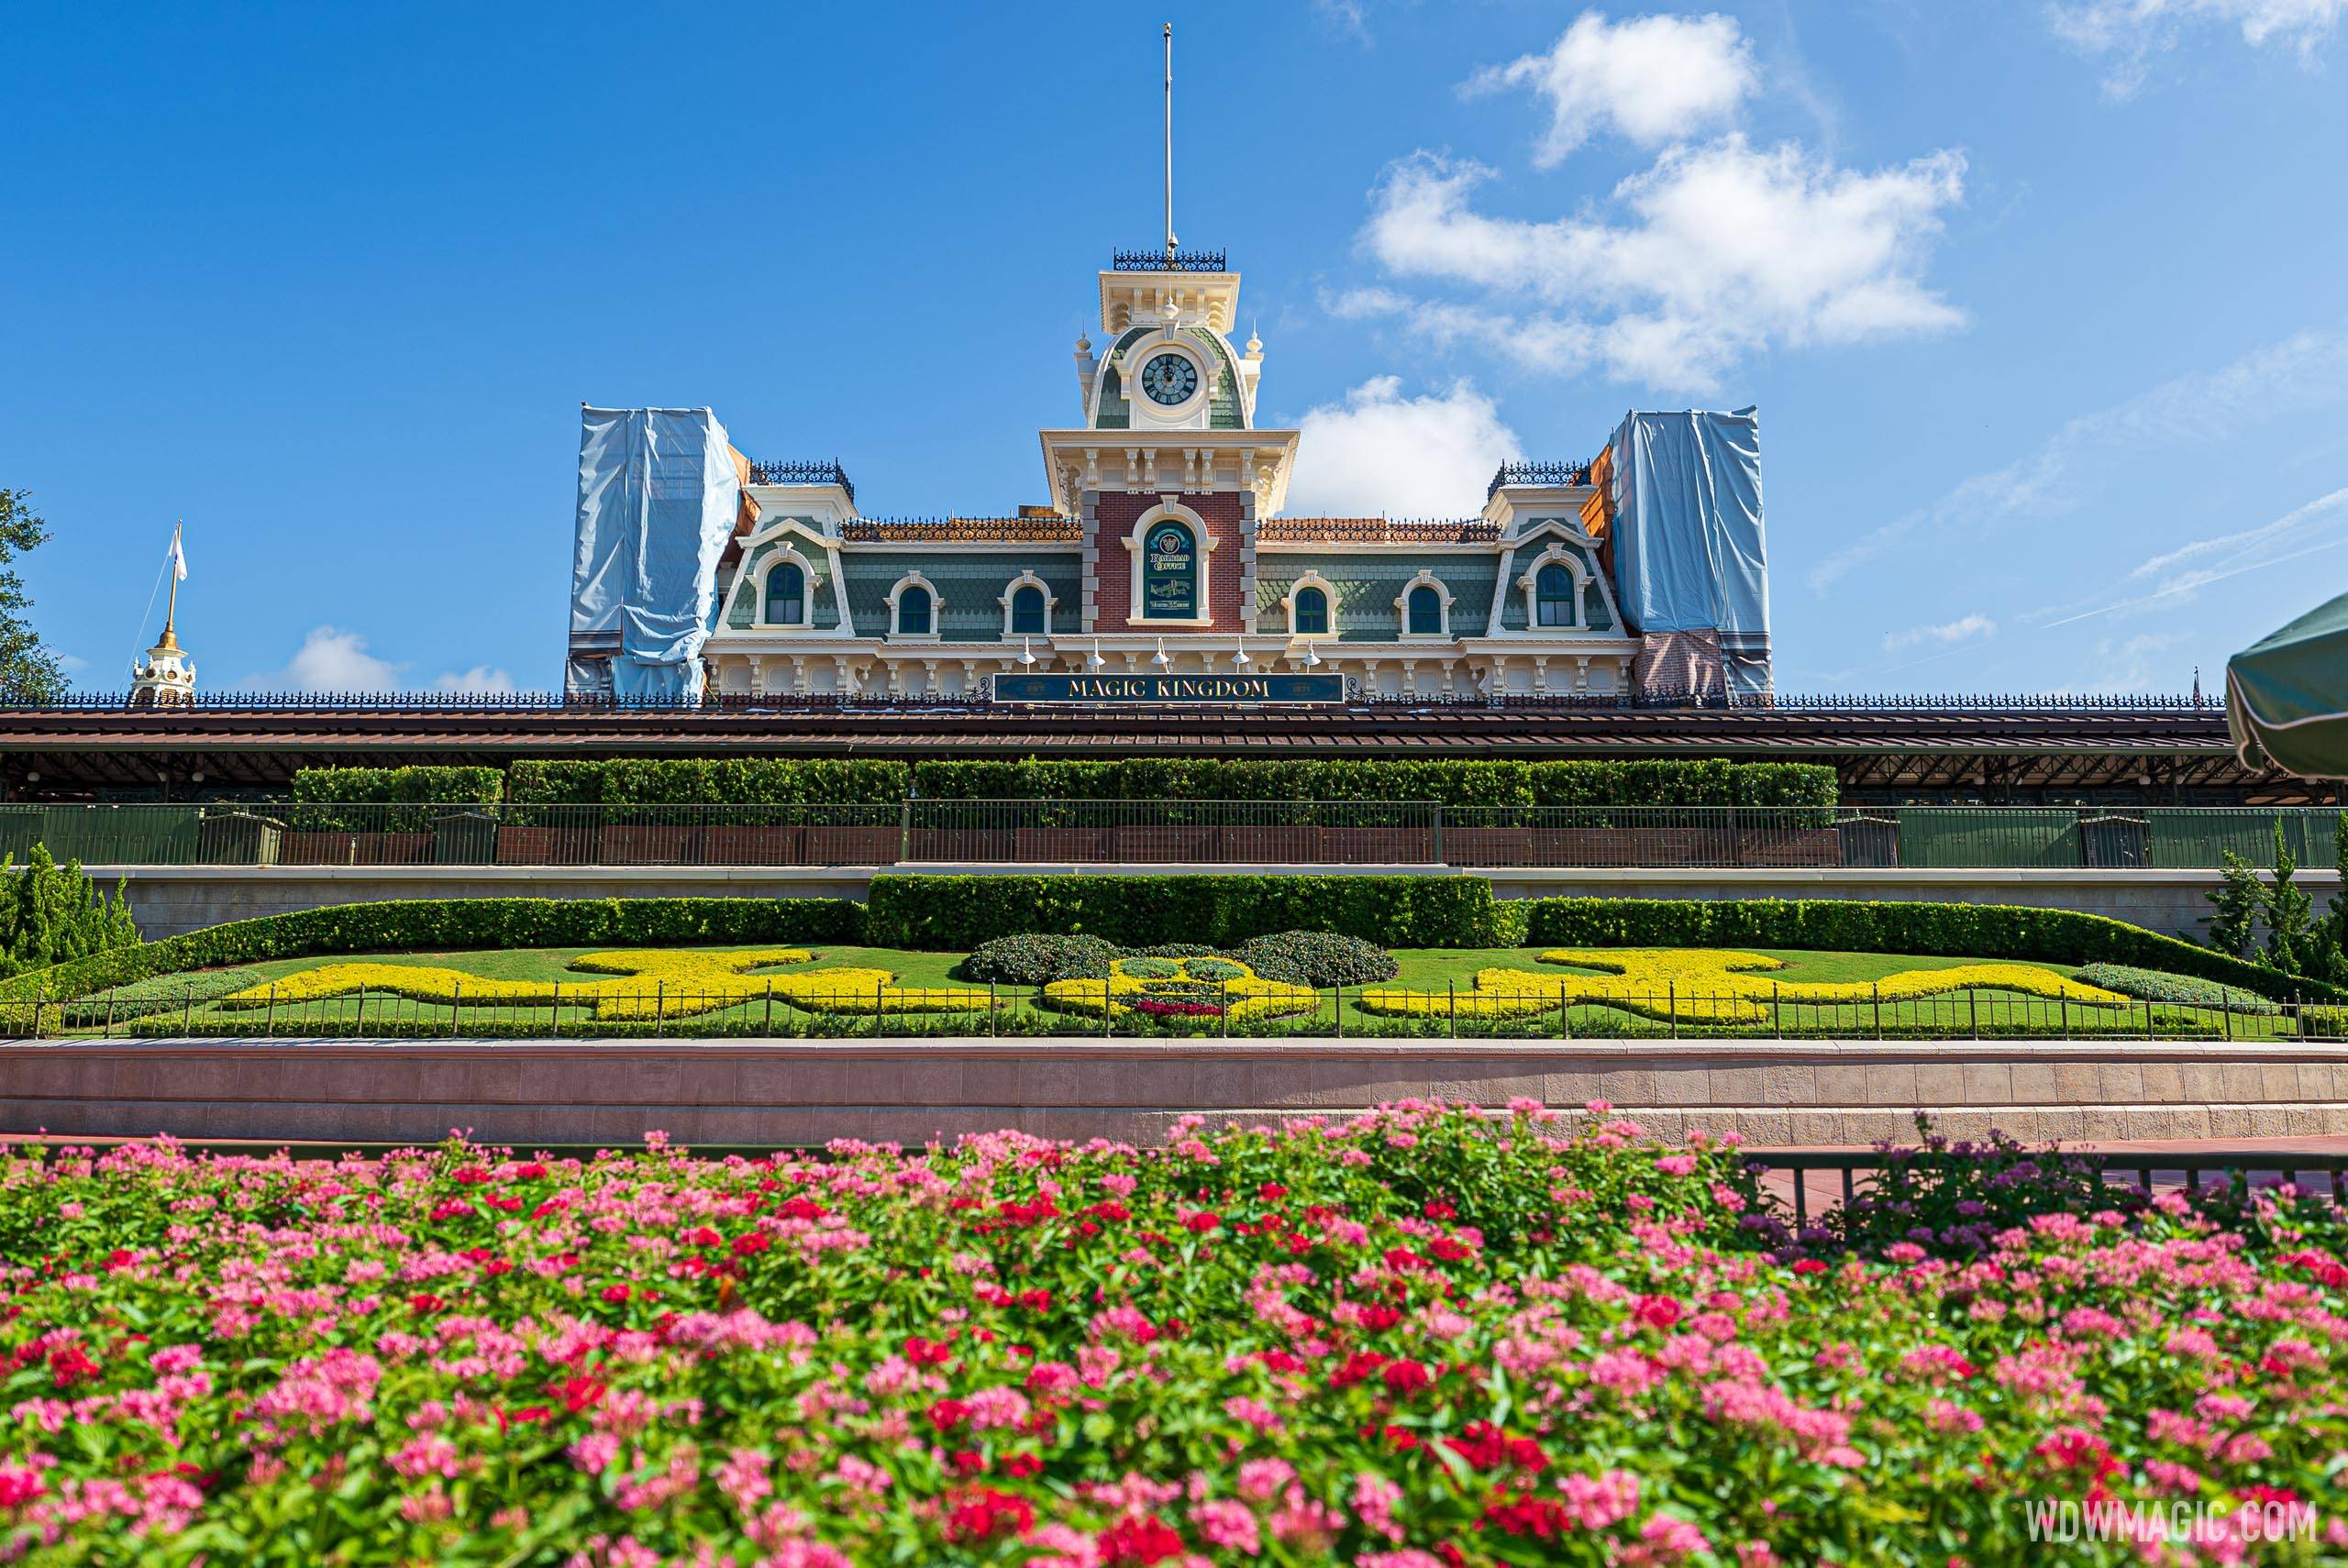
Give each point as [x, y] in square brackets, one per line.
[179, 557]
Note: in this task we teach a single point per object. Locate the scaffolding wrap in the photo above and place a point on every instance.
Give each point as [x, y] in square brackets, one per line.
[1690, 549]
[659, 491]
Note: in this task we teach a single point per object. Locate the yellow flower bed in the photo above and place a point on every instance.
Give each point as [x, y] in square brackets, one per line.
[1246, 996]
[1710, 985]
[658, 982]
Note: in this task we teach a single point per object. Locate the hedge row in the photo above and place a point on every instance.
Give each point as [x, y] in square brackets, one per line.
[379, 785]
[1933, 930]
[791, 781]
[953, 914]
[1461, 782]
[743, 781]
[432, 925]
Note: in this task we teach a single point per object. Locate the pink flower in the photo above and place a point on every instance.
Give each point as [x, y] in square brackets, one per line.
[1230, 1525]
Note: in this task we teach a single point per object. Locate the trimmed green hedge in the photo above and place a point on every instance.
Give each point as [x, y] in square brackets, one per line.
[425, 786]
[443, 924]
[1852, 925]
[728, 781]
[1463, 782]
[951, 913]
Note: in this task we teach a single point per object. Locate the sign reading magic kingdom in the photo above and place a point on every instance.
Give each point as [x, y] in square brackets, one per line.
[1087, 689]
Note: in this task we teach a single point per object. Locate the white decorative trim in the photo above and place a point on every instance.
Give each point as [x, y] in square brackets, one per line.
[1555, 554]
[936, 609]
[1444, 596]
[1028, 579]
[1167, 507]
[809, 580]
[1328, 605]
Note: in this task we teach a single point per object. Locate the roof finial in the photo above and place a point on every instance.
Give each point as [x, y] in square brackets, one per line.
[1170, 144]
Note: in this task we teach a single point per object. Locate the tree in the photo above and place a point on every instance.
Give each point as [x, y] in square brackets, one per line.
[2290, 936]
[28, 672]
[2239, 901]
[2331, 931]
[52, 914]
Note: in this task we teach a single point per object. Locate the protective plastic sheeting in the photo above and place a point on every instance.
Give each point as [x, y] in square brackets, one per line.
[658, 494]
[1690, 553]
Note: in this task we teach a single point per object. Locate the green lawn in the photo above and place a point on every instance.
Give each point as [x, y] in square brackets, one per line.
[194, 997]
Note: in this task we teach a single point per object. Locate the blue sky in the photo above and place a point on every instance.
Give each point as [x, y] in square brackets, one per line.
[2040, 303]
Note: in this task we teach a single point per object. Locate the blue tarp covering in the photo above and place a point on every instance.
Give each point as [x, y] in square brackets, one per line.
[658, 494]
[1689, 550]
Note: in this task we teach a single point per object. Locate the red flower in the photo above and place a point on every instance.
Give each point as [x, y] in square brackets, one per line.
[1143, 1538]
[750, 1243]
[927, 1353]
[1022, 1465]
[1358, 1367]
[68, 1365]
[1536, 1517]
[1809, 1265]
[1202, 1221]
[1657, 1311]
[473, 1175]
[801, 1208]
[947, 1414]
[616, 1293]
[531, 1172]
[1404, 1378]
[1377, 1319]
[981, 1513]
[1437, 1209]
[702, 1236]
[1271, 1192]
[1451, 1250]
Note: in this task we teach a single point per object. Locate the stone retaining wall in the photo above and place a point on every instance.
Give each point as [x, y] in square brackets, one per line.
[171, 900]
[801, 1092]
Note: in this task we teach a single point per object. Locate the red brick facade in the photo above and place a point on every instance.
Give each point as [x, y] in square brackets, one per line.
[1222, 513]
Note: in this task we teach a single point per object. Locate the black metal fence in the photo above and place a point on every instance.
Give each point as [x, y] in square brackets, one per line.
[1191, 832]
[426, 1004]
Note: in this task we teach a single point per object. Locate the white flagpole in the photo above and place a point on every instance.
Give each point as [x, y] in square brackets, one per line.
[1170, 143]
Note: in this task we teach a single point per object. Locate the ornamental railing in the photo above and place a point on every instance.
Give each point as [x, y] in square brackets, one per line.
[805, 470]
[1166, 261]
[963, 530]
[1815, 1180]
[1378, 531]
[2015, 704]
[1414, 834]
[798, 1004]
[1537, 474]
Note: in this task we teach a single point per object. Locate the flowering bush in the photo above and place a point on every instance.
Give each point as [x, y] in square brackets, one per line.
[1181, 988]
[662, 982]
[1701, 985]
[2158, 985]
[1415, 1339]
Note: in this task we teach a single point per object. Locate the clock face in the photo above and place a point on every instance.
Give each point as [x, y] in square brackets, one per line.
[1169, 379]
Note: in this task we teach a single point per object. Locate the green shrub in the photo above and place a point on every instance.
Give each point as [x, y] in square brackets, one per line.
[455, 923]
[1152, 968]
[944, 913]
[1317, 959]
[1037, 960]
[2160, 985]
[53, 914]
[1215, 969]
[714, 782]
[1451, 782]
[437, 786]
[1852, 925]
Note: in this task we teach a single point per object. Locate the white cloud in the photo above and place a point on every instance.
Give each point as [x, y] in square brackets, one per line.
[1542, 343]
[1350, 17]
[2126, 35]
[480, 680]
[1380, 453]
[1651, 79]
[2190, 412]
[2321, 525]
[2128, 665]
[330, 659]
[1729, 249]
[1948, 634]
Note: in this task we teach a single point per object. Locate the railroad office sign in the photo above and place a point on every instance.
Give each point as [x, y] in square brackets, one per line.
[1100, 690]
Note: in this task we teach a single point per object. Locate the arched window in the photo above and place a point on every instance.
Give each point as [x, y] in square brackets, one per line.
[786, 596]
[1028, 612]
[1426, 611]
[1557, 596]
[1311, 616]
[913, 612]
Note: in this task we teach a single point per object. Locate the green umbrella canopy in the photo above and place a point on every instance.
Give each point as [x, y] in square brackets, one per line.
[2287, 696]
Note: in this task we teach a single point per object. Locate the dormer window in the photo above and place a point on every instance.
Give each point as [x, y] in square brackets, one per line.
[913, 612]
[786, 596]
[1028, 612]
[1311, 616]
[1557, 596]
[913, 609]
[1427, 612]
